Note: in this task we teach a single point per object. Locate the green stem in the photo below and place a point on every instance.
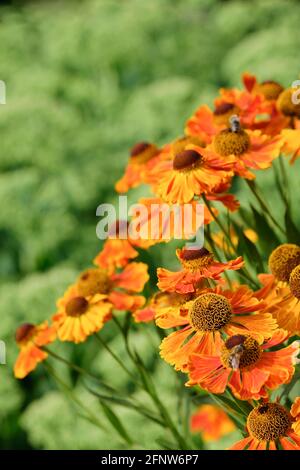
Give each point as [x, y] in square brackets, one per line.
[243, 271]
[150, 391]
[263, 205]
[231, 412]
[77, 368]
[69, 392]
[116, 358]
[285, 394]
[285, 181]
[216, 254]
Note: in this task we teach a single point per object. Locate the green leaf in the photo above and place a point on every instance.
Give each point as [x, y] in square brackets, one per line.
[229, 408]
[165, 444]
[292, 232]
[115, 422]
[267, 237]
[248, 248]
[128, 404]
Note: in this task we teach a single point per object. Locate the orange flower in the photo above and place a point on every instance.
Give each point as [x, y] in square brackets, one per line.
[255, 106]
[192, 172]
[270, 428]
[291, 143]
[281, 289]
[143, 156]
[198, 265]
[87, 306]
[220, 194]
[161, 303]
[118, 248]
[159, 222]
[251, 149]
[30, 339]
[166, 156]
[268, 88]
[281, 302]
[115, 253]
[246, 366]
[248, 106]
[213, 313]
[295, 412]
[205, 124]
[212, 422]
[132, 279]
[78, 316]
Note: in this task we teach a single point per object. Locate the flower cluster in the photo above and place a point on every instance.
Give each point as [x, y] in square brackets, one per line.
[85, 307]
[230, 329]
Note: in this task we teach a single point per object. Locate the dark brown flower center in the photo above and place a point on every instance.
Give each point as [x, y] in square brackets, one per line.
[189, 254]
[210, 312]
[139, 148]
[187, 159]
[269, 422]
[195, 259]
[142, 152]
[24, 332]
[180, 144]
[283, 260]
[76, 306]
[223, 108]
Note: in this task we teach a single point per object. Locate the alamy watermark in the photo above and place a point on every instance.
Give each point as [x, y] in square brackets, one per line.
[2, 92]
[296, 93]
[154, 221]
[2, 353]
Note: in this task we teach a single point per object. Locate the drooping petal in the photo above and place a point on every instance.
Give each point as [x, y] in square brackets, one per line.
[123, 301]
[243, 443]
[288, 445]
[260, 325]
[178, 347]
[27, 361]
[144, 315]
[132, 278]
[115, 253]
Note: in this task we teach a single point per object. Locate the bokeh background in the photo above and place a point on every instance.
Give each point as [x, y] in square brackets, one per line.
[85, 80]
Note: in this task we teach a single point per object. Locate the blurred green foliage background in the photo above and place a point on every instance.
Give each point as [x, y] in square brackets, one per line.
[85, 80]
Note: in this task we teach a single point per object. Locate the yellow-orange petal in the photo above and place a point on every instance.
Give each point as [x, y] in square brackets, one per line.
[260, 325]
[132, 278]
[115, 253]
[144, 315]
[28, 358]
[212, 422]
[243, 443]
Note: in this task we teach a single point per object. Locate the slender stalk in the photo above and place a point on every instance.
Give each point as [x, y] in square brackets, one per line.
[216, 254]
[125, 336]
[263, 205]
[230, 411]
[165, 414]
[151, 392]
[285, 181]
[116, 358]
[243, 271]
[77, 368]
[285, 393]
[70, 394]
